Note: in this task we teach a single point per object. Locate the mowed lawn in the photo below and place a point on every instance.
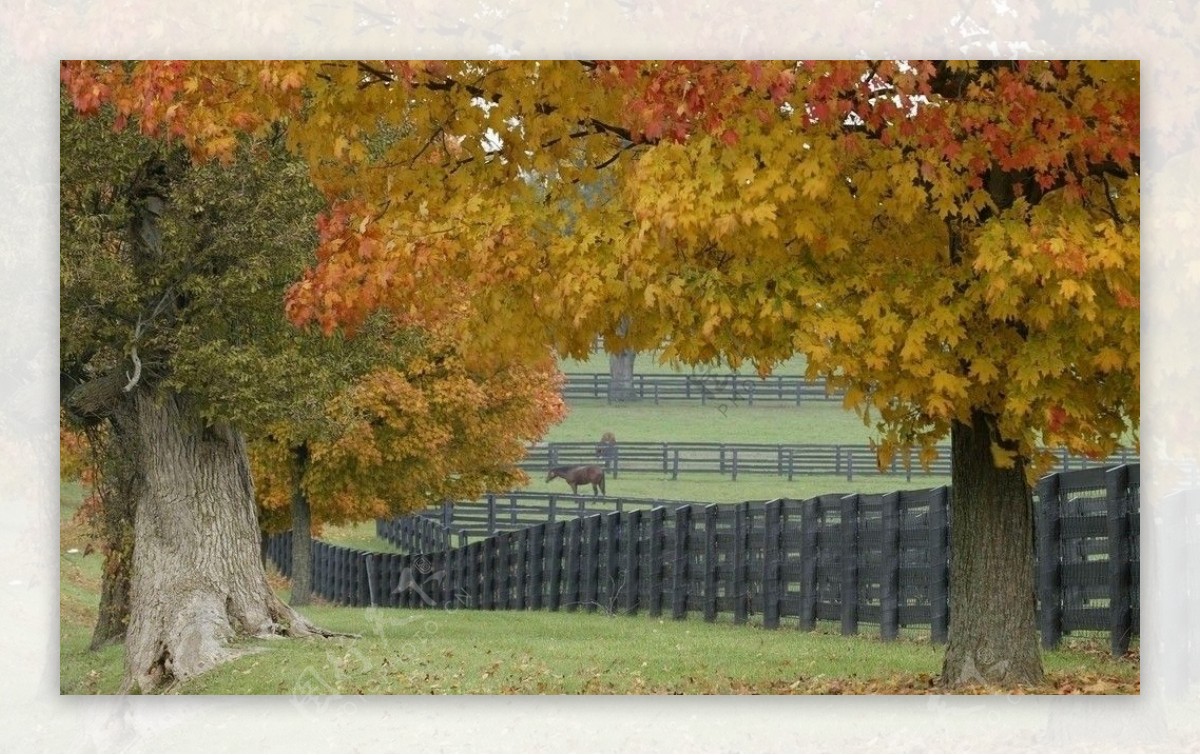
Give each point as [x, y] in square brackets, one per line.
[540, 652]
[400, 651]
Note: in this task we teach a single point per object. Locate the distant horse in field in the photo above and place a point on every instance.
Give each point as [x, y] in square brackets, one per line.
[607, 450]
[576, 476]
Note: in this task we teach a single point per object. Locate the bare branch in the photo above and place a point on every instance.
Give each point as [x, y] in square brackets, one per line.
[137, 370]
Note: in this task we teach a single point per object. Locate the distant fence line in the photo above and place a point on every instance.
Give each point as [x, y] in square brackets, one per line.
[783, 460]
[851, 559]
[704, 387]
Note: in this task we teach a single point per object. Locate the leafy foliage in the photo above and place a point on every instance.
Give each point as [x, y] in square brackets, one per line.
[402, 437]
[940, 237]
[207, 320]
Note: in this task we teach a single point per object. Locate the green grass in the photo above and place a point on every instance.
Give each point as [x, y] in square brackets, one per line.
[814, 422]
[360, 535]
[475, 652]
[486, 652]
[81, 671]
[539, 652]
[714, 488]
[730, 422]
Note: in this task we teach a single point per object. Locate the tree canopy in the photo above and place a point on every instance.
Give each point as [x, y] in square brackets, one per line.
[936, 236]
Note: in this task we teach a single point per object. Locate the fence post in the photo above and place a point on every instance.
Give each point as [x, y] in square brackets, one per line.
[369, 563]
[574, 527]
[554, 564]
[741, 537]
[850, 465]
[474, 568]
[810, 522]
[536, 565]
[710, 562]
[1116, 483]
[591, 557]
[491, 514]
[889, 577]
[772, 573]
[675, 466]
[631, 540]
[610, 574]
[735, 460]
[505, 545]
[1049, 536]
[679, 574]
[488, 601]
[791, 455]
[849, 559]
[658, 518]
[939, 566]
[521, 579]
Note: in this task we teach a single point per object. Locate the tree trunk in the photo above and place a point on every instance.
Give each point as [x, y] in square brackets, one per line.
[993, 631]
[620, 369]
[620, 380]
[118, 489]
[301, 533]
[198, 582]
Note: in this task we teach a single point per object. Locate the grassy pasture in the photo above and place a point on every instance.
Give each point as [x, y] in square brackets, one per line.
[813, 422]
[539, 652]
[476, 652]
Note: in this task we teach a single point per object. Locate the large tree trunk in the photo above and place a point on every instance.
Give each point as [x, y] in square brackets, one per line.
[993, 634]
[620, 377]
[620, 369]
[301, 533]
[198, 582]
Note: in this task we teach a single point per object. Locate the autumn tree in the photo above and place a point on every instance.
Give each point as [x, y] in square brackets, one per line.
[954, 244]
[404, 435]
[182, 298]
[166, 277]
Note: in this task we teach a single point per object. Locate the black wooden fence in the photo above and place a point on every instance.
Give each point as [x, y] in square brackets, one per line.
[783, 460]
[850, 559]
[705, 388]
[460, 522]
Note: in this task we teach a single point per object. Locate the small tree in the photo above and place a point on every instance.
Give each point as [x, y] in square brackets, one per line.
[402, 437]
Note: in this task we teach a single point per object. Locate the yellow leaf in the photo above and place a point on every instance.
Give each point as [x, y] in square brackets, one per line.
[1003, 458]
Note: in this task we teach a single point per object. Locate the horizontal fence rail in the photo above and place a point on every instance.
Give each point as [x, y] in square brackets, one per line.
[881, 560]
[781, 460]
[704, 388]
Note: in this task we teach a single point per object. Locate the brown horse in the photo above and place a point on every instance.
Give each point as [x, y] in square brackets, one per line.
[576, 476]
[607, 450]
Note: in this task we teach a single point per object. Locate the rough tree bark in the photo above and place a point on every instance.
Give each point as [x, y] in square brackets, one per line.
[993, 630]
[301, 532]
[198, 582]
[620, 370]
